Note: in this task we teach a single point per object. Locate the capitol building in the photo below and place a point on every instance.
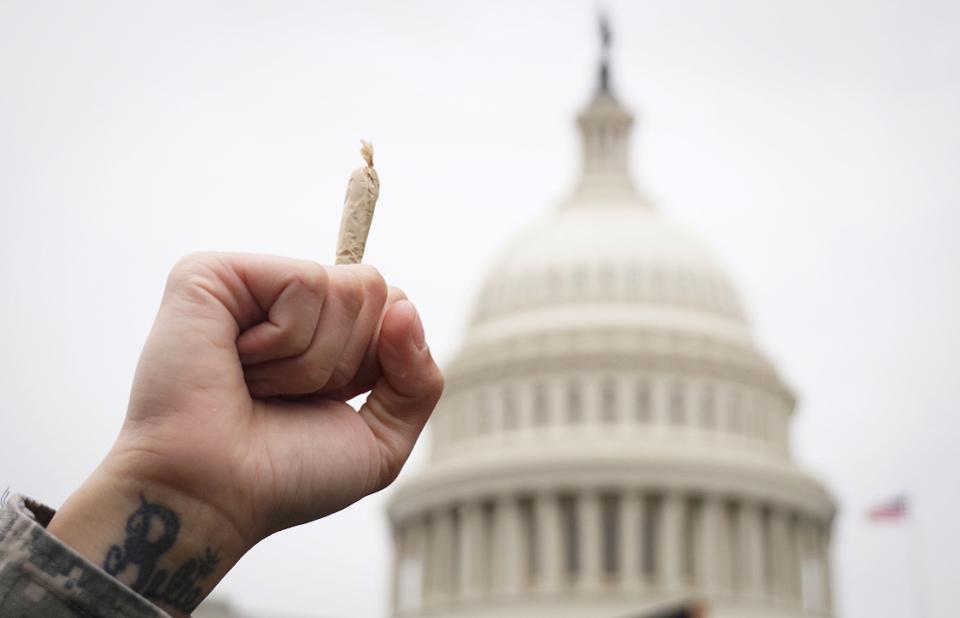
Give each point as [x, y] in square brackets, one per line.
[612, 442]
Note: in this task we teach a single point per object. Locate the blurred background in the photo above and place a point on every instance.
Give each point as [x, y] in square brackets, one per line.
[814, 146]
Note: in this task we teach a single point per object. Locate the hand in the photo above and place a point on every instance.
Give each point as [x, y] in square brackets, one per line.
[238, 424]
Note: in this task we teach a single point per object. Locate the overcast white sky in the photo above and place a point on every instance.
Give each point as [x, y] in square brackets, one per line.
[815, 145]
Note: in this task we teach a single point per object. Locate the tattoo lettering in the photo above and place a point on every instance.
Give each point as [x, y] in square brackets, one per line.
[151, 531]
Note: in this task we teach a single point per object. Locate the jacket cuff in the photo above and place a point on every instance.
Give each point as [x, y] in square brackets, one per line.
[40, 576]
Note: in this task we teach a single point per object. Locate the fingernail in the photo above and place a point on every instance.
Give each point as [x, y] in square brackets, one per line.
[419, 337]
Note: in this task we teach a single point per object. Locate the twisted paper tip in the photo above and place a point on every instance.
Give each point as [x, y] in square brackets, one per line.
[366, 151]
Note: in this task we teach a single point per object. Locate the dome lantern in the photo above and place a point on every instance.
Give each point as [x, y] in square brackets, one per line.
[605, 127]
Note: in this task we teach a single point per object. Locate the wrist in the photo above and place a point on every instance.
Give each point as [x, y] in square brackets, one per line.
[168, 546]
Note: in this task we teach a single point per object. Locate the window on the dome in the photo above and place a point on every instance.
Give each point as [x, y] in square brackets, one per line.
[605, 279]
[461, 418]
[574, 403]
[509, 408]
[735, 420]
[756, 420]
[633, 280]
[642, 403]
[708, 414]
[541, 405]
[580, 280]
[608, 411]
[656, 283]
[484, 420]
[554, 282]
[677, 403]
[763, 423]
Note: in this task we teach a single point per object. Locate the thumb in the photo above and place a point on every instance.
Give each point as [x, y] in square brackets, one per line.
[409, 387]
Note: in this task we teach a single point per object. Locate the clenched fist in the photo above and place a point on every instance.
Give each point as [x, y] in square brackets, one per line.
[238, 424]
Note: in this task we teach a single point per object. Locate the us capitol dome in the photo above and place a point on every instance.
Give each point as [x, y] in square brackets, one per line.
[612, 442]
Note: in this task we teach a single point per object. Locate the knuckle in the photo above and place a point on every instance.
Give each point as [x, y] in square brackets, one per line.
[188, 265]
[341, 375]
[374, 284]
[295, 340]
[395, 294]
[350, 290]
[314, 277]
[309, 276]
[313, 371]
[193, 270]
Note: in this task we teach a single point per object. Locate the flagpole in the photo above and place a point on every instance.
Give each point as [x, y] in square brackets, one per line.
[915, 551]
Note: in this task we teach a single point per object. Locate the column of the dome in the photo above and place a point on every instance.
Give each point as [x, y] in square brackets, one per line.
[793, 562]
[807, 553]
[710, 555]
[471, 545]
[549, 542]
[670, 527]
[507, 546]
[417, 542]
[631, 513]
[590, 535]
[751, 551]
[728, 549]
[443, 570]
[400, 547]
[430, 561]
[816, 592]
[823, 547]
[779, 554]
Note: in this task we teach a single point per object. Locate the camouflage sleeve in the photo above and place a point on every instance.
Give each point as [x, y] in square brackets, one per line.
[40, 576]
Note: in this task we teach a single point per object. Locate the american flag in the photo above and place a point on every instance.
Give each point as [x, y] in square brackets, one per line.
[894, 509]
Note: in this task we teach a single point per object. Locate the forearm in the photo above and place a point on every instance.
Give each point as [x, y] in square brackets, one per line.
[168, 547]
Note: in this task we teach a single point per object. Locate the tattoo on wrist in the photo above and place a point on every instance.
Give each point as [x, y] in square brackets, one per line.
[152, 530]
